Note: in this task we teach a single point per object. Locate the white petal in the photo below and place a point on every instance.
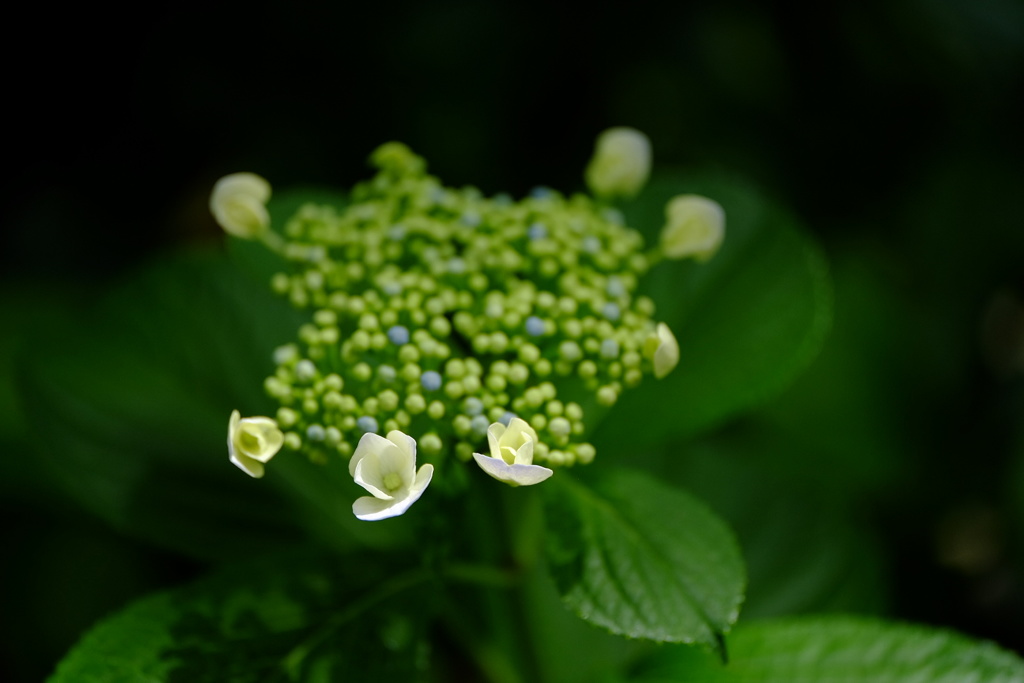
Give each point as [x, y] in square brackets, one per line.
[406, 462]
[371, 509]
[516, 475]
[494, 434]
[369, 476]
[232, 428]
[667, 354]
[253, 468]
[524, 456]
[266, 431]
[369, 443]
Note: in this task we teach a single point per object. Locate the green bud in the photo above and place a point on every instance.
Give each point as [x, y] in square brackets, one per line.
[585, 453]
[569, 351]
[431, 444]
[325, 318]
[286, 417]
[454, 389]
[463, 451]
[462, 424]
[518, 374]
[411, 373]
[607, 396]
[362, 372]
[587, 369]
[560, 427]
[415, 404]
[408, 354]
[440, 327]
[435, 410]
[528, 353]
[388, 400]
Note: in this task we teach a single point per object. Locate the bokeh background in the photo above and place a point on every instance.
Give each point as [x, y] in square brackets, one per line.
[891, 128]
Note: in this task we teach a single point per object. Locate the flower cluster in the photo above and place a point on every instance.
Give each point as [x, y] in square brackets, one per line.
[463, 320]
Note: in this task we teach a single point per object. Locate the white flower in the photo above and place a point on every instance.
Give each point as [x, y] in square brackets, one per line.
[252, 442]
[621, 163]
[238, 202]
[387, 469]
[663, 350]
[511, 459]
[695, 227]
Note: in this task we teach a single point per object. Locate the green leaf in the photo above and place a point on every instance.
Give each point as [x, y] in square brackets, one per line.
[806, 548]
[747, 321]
[837, 649]
[642, 559]
[288, 618]
[127, 402]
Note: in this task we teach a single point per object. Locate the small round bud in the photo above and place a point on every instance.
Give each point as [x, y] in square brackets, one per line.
[431, 444]
[431, 380]
[362, 372]
[367, 424]
[399, 335]
[415, 404]
[305, 370]
[286, 417]
[435, 410]
[388, 400]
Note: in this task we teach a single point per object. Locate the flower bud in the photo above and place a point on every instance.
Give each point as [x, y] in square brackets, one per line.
[695, 226]
[238, 203]
[621, 163]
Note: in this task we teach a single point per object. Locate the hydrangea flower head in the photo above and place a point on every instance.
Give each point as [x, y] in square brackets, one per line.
[449, 319]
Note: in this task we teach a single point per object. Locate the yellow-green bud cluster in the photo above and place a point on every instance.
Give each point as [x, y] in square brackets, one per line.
[438, 311]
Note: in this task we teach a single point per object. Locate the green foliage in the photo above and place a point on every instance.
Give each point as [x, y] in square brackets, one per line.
[643, 560]
[127, 401]
[291, 618]
[838, 650]
[747, 321]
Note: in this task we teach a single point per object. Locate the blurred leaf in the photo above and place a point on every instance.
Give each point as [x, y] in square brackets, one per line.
[128, 403]
[642, 560]
[289, 618]
[747, 321]
[804, 547]
[838, 650]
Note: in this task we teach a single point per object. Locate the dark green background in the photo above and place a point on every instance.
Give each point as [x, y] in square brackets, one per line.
[893, 129]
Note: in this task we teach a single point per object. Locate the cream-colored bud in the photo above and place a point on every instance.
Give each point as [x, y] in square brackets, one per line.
[239, 204]
[663, 350]
[695, 226]
[252, 442]
[621, 163]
